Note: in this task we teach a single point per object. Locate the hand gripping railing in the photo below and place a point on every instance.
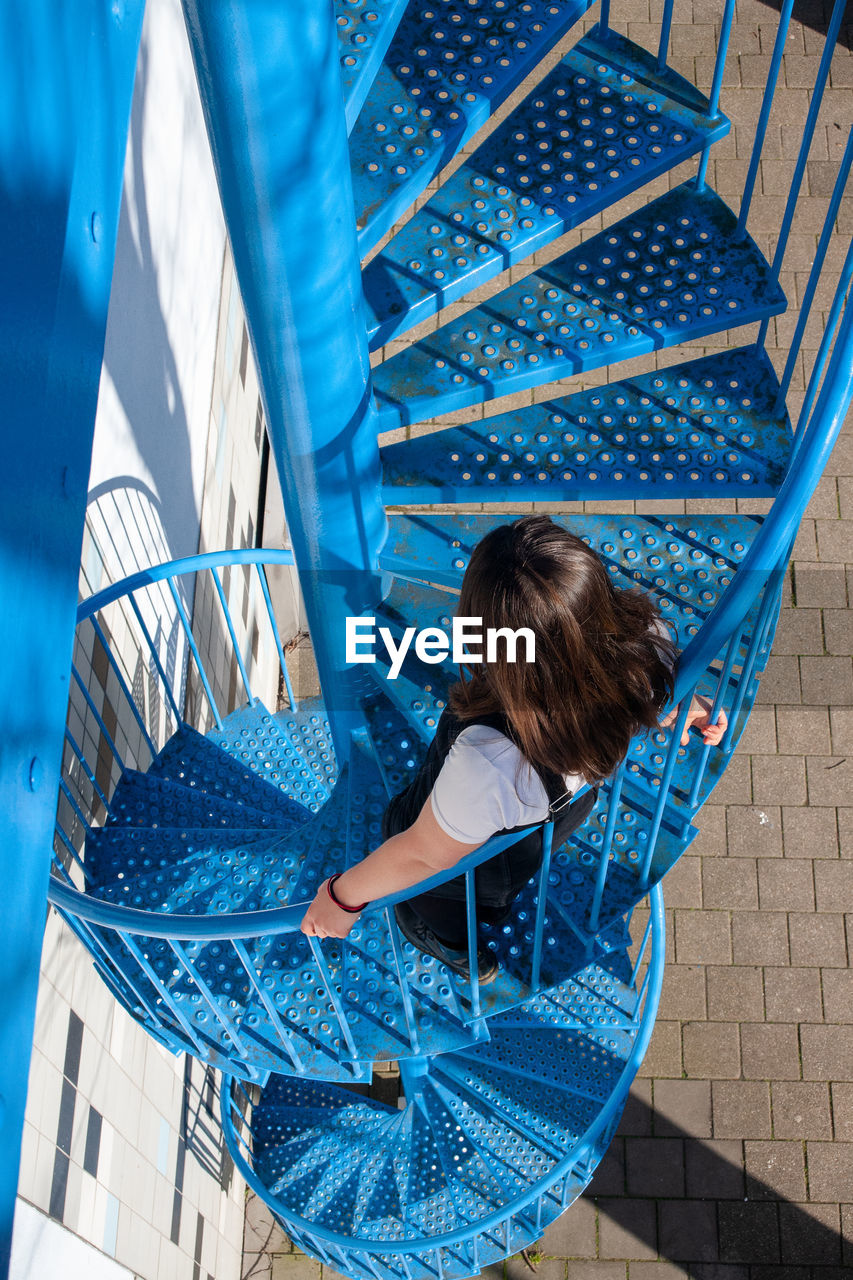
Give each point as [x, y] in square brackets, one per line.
[529, 1213]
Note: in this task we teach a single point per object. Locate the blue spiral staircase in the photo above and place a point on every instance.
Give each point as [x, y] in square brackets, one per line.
[187, 871]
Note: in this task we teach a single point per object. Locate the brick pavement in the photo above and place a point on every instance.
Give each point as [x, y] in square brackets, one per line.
[734, 1159]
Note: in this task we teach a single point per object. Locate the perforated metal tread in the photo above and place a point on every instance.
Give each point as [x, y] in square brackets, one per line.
[479, 1129]
[398, 751]
[260, 742]
[189, 759]
[449, 66]
[144, 800]
[603, 123]
[365, 30]
[308, 729]
[669, 273]
[702, 428]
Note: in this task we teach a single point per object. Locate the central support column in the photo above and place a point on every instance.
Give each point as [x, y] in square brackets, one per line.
[270, 85]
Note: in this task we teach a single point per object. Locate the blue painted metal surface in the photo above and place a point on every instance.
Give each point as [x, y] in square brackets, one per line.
[493, 1144]
[66, 80]
[270, 87]
[449, 67]
[663, 275]
[603, 123]
[701, 429]
[365, 29]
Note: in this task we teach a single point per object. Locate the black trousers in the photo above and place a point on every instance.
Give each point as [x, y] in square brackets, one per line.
[498, 881]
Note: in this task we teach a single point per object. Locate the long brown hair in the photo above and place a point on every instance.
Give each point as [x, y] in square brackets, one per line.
[602, 670]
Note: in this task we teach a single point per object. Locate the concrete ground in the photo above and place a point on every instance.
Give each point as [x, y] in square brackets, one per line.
[734, 1159]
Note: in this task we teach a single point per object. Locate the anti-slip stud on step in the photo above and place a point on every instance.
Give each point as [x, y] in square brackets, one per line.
[701, 429]
[603, 123]
[672, 272]
[449, 66]
[365, 29]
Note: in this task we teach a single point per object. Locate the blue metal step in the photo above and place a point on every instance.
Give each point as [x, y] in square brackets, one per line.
[446, 71]
[669, 273]
[603, 123]
[261, 743]
[308, 729]
[398, 751]
[703, 428]
[190, 759]
[144, 800]
[480, 1128]
[365, 29]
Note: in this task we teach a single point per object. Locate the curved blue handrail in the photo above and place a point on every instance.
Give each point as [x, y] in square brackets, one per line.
[176, 569]
[608, 1113]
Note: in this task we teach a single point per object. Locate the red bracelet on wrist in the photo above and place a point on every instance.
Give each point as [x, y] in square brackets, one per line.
[330, 883]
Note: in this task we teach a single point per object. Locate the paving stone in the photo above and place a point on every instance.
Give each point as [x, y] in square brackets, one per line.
[798, 631]
[801, 1109]
[684, 883]
[780, 681]
[785, 885]
[760, 732]
[735, 786]
[778, 780]
[572, 1235]
[842, 1112]
[845, 832]
[682, 1107]
[820, 586]
[754, 831]
[627, 1229]
[517, 1268]
[830, 1166]
[714, 1169]
[637, 1116]
[791, 995]
[775, 1170]
[729, 883]
[827, 1052]
[741, 1109]
[770, 1051]
[683, 994]
[711, 840]
[609, 1177]
[810, 1233]
[702, 937]
[833, 885]
[817, 939]
[760, 937]
[596, 1270]
[663, 1056]
[809, 832]
[803, 730]
[838, 631]
[841, 730]
[830, 779]
[711, 1050]
[826, 681]
[735, 992]
[718, 1271]
[654, 1166]
[688, 1232]
[749, 1232]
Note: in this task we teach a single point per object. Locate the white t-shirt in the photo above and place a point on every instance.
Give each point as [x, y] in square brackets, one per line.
[486, 785]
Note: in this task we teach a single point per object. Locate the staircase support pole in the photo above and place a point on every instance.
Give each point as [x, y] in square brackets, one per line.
[65, 95]
[271, 90]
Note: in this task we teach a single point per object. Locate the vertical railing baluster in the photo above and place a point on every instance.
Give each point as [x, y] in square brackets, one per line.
[230, 625]
[262, 577]
[212, 1003]
[164, 992]
[665, 28]
[814, 274]
[603, 19]
[823, 351]
[803, 155]
[666, 778]
[87, 768]
[641, 952]
[405, 993]
[281, 1031]
[471, 921]
[152, 649]
[194, 650]
[343, 1023]
[607, 844]
[547, 837]
[716, 87]
[766, 618]
[716, 708]
[123, 685]
[764, 116]
[99, 720]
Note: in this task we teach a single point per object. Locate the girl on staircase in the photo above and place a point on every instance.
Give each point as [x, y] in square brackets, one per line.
[520, 742]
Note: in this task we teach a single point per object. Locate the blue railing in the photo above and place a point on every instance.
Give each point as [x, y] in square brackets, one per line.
[543, 1201]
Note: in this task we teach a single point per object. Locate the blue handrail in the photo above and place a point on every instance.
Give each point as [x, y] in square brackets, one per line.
[608, 1114]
